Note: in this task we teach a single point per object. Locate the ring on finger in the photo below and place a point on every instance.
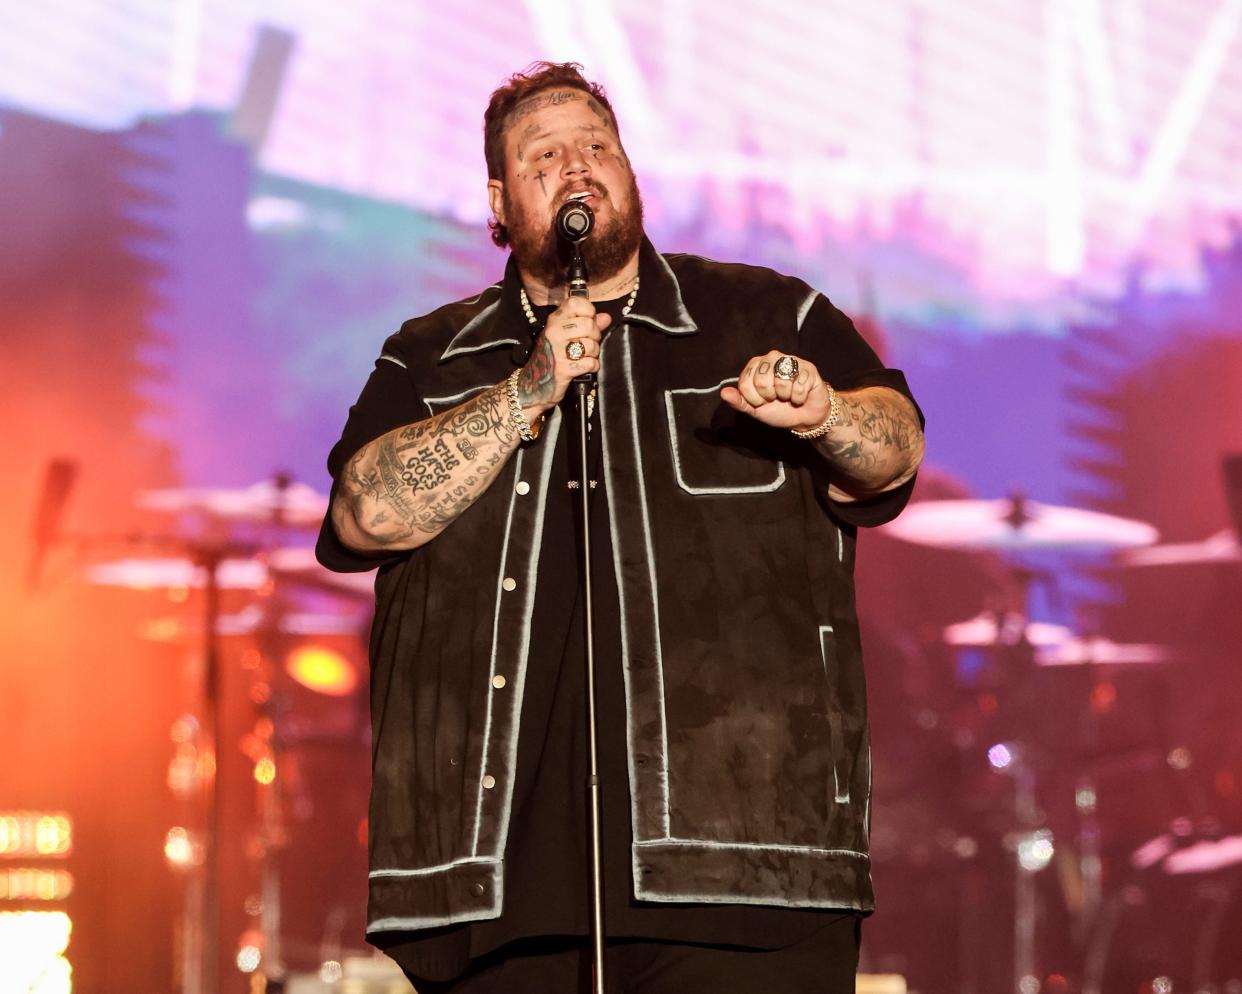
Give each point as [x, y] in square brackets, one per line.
[574, 350]
[785, 368]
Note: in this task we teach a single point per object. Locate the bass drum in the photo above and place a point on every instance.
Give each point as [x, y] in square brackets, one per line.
[1167, 932]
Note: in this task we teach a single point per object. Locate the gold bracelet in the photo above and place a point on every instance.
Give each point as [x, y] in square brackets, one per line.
[834, 413]
[517, 417]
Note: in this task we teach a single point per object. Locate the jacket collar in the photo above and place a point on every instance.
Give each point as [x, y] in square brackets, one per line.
[501, 320]
[659, 302]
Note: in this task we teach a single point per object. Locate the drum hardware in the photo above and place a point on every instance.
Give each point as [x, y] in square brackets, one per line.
[1019, 647]
[264, 568]
[279, 501]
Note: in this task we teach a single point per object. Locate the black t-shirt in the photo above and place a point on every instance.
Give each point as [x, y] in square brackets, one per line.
[547, 854]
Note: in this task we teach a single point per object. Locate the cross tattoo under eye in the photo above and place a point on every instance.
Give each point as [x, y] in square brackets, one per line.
[542, 185]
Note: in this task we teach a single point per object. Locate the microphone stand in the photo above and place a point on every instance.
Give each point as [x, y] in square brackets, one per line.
[582, 388]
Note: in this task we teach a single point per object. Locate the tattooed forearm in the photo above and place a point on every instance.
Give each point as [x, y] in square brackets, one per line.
[537, 382]
[404, 488]
[877, 443]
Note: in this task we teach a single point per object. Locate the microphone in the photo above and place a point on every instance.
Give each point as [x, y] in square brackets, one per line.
[574, 221]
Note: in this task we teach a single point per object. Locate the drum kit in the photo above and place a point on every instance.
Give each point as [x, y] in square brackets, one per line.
[245, 588]
[276, 591]
[1043, 747]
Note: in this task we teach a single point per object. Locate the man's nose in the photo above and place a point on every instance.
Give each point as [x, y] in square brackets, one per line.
[575, 165]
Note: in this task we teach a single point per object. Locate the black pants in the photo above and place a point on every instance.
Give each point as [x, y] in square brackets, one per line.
[823, 963]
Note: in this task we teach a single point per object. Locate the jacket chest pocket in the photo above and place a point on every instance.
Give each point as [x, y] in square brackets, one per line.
[715, 449]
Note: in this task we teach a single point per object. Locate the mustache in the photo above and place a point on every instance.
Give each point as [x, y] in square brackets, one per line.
[568, 189]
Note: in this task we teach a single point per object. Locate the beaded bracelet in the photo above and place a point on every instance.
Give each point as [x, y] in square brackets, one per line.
[834, 413]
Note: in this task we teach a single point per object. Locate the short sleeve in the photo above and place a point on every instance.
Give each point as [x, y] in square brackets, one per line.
[390, 399]
[829, 339]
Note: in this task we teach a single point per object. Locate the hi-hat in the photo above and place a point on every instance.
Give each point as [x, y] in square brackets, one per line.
[169, 574]
[273, 501]
[1101, 651]
[1223, 547]
[1016, 523]
[988, 630]
[299, 564]
[254, 620]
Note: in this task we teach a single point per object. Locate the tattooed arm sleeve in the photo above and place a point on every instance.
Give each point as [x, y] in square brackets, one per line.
[876, 445]
[404, 488]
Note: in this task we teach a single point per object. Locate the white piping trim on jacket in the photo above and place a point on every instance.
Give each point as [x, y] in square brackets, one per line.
[603, 378]
[835, 721]
[393, 359]
[840, 545]
[866, 824]
[519, 684]
[689, 324]
[625, 638]
[628, 366]
[643, 894]
[423, 871]
[805, 308]
[453, 350]
[761, 488]
[774, 847]
[457, 397]
[500, 593]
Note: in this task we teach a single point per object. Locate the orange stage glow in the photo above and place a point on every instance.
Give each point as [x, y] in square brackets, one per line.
[35, 833]
[322, 670]
[29, 883]
[32, 946]
[265, 770]
[181, 848]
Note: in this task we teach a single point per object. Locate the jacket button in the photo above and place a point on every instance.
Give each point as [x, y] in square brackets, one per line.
[523, 488]
[498, 681]
[509, 583]
[640, 760]
[489, 782]
[478, 890]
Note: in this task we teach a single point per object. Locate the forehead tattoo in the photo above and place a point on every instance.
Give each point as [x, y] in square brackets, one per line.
[535, 130]
[550, 98]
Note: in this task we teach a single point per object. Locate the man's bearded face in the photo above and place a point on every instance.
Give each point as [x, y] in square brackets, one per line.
[561, 143]
[614, 240]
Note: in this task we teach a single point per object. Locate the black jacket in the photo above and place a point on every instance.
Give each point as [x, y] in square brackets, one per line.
[749, 755]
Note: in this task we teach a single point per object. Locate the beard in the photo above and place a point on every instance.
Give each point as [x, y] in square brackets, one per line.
[540, 253]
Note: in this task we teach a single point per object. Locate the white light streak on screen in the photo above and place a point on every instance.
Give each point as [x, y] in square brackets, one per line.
[1047, 139]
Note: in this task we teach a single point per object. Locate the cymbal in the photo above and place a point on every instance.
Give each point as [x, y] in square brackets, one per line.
[984, 630]
[297, 563]
[1015, 523]
[1175, 856]
[169, 573]
[1223, 547]
[1100, 651]
[252, 621]
[266, 501]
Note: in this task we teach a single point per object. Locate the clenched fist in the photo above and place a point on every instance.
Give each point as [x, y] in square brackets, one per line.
[802, 403]
[549, 370]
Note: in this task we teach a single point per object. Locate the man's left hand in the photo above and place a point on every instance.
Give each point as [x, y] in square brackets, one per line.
[801, 403]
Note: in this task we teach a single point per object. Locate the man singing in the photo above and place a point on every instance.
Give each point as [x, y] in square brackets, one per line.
[741, 431]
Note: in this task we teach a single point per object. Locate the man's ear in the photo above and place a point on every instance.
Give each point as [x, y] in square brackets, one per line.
[496, 198]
